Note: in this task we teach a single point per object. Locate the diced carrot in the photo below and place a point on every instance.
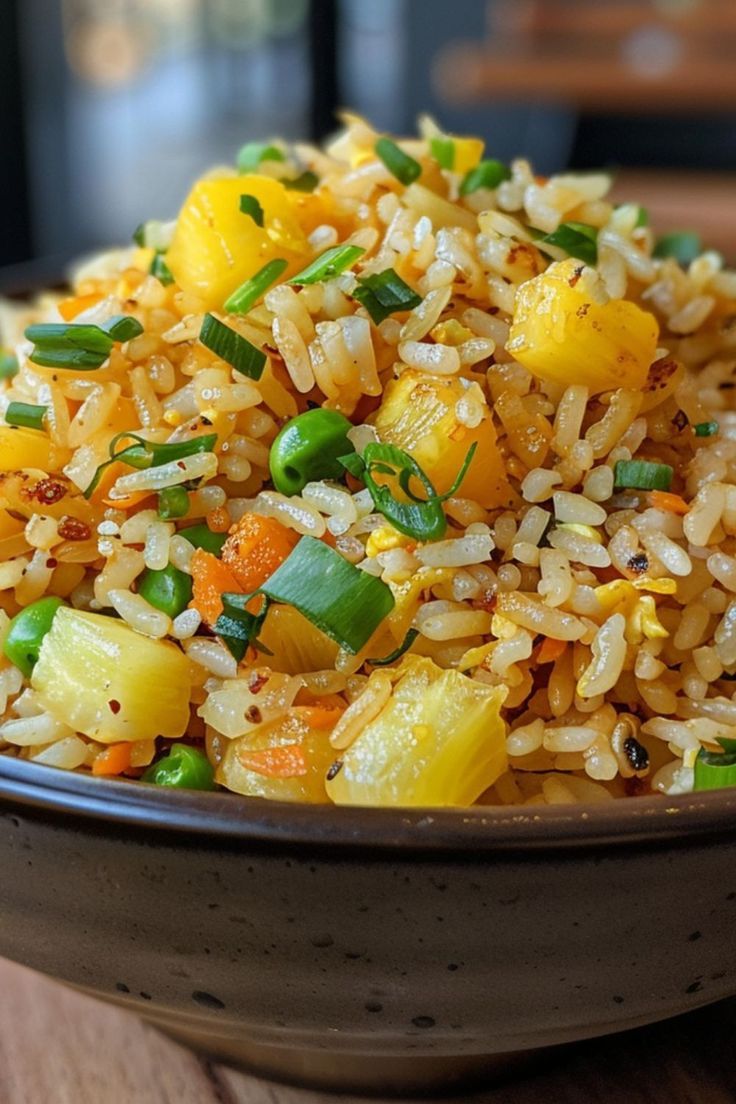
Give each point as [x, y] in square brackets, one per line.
[219, 520]
[70, 308]
[317, 716]
[113, 760]
[287, 761]
[211, 578]
[108, 477]
[328, 538]
[550, 650]
[665, 500]
[255, 548]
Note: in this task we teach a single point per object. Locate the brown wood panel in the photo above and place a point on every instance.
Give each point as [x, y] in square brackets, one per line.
[57, 1047]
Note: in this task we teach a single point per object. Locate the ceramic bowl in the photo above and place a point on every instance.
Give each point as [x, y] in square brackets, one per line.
[373, 950]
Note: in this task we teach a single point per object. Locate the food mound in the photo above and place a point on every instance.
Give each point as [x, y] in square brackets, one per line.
[386, 474]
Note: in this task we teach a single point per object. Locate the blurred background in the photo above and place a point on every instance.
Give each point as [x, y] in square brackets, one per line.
[109, 108]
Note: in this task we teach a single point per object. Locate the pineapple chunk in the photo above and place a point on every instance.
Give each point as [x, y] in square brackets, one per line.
[216, 247]
[438, 741]
[246, 767]
[560, 333]
[105, 680]
[298, 647]
[418, 413]
[23, 448]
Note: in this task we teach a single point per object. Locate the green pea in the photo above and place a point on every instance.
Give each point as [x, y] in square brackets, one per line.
[307, 448]
[169, 590]
[26, 633]
[184, 767]
[173, 502]
[201, 536]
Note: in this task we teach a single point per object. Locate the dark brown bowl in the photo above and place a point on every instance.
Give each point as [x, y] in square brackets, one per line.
[368, 949]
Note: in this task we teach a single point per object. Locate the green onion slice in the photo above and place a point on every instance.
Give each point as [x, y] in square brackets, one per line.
[343, 602]
[79, 345]
[122, 327]
[232, 347]
[251, 154]
[161, 270]
[384, 293]
[173, 502]
[642, 475]
[705, 429]
[486, 174]
[201, 536]
[420, 518]
[241, 300]
[642, 218]
[8, 365]
[715, 770]
[150, 454]
[305, 182]
[328, 265]
[443, 151]
[398, 163]
[576, 238]
[237, 627]
[155, 235]
[397, 653]
[683, 245]
[25, 414]
[249, 205]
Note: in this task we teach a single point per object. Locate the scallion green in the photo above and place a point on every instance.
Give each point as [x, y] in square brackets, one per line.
[442, 149]
[161, 270]
[305, 182]
[328, 265]
[642, 475]
[249, 205]
[642, 218]
[173, 502]
[238, 627]
[25, 414]
[578, 239]
[716, 770]
[150, 454]
[486, 174]
[248, 294]
[251, 154]
[155, 235]
[705, 429]
[80, 346]
[8, 365]
[384, 293]
[231, 347]
[122, 327]
[397, 653]
[398, 163]
[683, 245]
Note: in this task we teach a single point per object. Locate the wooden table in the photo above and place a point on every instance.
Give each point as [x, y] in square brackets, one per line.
[57, 1047]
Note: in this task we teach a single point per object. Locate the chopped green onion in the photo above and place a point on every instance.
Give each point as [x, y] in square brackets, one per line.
[305, 182]
[155, 235]
[252, 153]
[576, 238]
[237, 627]
[420, 518]
[642, 218]
[328, 265]
[82, 346]
[683, 245]
[8, 366]
[443, 151]
[642, 475]
[25, 414]
[384, 293]
[715, 770]
[343, 602]
[249, 205]
[173, 502]
[705, 429]
[486, 174]
[397, 653]
[201, 536]
[161, 270]
[398, 163]
[232, 347]
[251, 291]
[122, 327]
[150, 454]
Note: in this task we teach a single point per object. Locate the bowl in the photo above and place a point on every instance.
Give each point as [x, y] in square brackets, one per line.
[369, 950]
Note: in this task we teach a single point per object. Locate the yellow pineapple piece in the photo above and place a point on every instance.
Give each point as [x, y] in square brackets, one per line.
[418, 413]
[296, 773]
[560, 333]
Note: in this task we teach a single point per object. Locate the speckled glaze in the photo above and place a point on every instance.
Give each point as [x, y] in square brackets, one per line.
[368, 949]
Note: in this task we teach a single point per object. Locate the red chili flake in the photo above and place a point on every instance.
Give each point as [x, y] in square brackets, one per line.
[114, 705]
[253, 715]
[51, 562]
[72, 529]
[47, 491]
[576, 276]
[257, 681]
[181, 464]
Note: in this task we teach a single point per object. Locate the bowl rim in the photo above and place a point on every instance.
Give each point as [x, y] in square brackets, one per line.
[207, 818]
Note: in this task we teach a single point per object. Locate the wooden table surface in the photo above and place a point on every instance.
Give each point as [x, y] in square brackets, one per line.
[57, 1047]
